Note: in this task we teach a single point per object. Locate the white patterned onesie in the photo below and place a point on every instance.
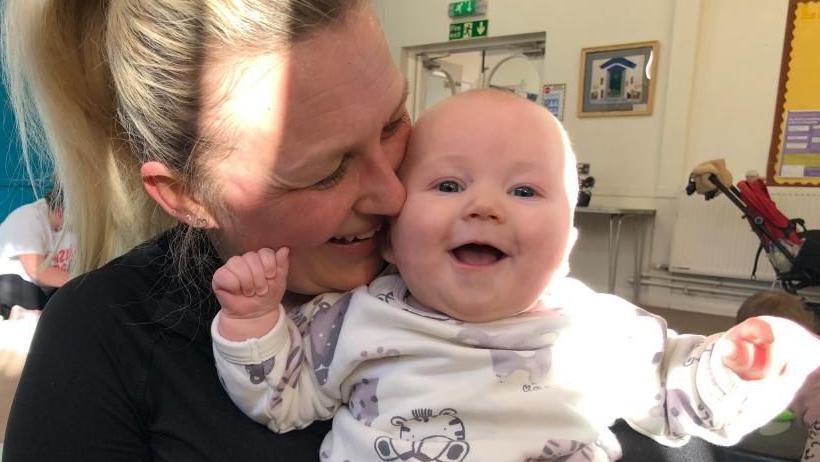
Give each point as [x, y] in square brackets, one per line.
[406, 383]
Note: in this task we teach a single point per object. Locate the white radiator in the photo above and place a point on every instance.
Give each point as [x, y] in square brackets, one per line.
[711, 238]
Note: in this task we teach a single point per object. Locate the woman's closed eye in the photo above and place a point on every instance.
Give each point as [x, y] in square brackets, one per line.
[334, 178]
[394, 125]
[388, 131]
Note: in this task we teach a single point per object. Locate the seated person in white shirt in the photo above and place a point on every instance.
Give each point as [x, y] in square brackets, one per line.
[35, 254]
[482, 349]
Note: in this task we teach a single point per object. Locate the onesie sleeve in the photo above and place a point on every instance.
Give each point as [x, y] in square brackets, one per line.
[684, 390]
[270, 378]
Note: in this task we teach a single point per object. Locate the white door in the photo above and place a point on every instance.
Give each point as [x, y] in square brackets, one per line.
[515, 66]
[441, 79]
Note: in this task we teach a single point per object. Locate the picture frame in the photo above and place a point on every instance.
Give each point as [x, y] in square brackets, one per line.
[618, 80]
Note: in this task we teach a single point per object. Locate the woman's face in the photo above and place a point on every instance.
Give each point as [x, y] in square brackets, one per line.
[311, 138]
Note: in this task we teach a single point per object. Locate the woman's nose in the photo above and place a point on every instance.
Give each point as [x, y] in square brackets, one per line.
[381, 191]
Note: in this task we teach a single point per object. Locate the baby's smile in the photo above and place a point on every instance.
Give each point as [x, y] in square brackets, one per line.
[477, 254]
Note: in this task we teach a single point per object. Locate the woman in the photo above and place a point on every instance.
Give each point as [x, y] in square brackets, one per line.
[251, 123]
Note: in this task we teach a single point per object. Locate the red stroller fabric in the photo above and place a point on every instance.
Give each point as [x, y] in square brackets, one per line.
[756, 196]
[794, 255]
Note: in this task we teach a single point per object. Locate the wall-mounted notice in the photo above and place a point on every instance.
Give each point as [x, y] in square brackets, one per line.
[553, 98]
[800, 153]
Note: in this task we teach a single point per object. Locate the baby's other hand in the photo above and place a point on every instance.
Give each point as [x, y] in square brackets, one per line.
[251, 286]
[768, 346]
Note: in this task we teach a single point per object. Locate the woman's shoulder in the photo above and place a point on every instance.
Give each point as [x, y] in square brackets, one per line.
[140, 288]
[129, 277]
[134, 288]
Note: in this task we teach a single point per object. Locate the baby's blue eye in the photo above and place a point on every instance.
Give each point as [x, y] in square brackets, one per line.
[449, 187]
[523, 191]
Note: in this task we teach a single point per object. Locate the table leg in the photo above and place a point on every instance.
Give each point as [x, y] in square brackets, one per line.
[640, 233]
[615, 222]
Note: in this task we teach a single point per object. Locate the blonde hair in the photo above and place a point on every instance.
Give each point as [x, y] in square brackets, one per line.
[104, 86]
[779, 303]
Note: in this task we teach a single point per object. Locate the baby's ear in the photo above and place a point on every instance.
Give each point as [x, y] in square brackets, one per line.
[573, 238]
[563, 269]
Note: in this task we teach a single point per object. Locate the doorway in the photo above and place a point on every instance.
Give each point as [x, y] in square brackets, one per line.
[436, 71]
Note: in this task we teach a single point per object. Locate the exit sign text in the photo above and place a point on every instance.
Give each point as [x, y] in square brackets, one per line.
[463, 30]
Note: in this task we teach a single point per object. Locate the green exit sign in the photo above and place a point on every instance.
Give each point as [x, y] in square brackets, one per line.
[463, 8]
[467, 8]
[463, 30]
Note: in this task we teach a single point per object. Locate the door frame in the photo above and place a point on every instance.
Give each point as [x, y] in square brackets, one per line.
[411, 66]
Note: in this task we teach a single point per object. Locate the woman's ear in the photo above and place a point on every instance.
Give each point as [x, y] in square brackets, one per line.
[163, 186]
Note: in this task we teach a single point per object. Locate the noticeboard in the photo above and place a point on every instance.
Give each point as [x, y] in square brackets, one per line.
[794, 153]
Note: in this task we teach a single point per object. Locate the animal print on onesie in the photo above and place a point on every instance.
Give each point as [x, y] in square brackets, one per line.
[425, 437]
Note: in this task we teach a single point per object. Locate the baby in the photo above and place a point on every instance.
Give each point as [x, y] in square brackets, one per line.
[482, 349]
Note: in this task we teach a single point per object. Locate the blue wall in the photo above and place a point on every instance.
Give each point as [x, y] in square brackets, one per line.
[15, 186]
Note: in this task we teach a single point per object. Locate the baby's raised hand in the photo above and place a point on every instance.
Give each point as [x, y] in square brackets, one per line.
[250, 288]
[766, 346]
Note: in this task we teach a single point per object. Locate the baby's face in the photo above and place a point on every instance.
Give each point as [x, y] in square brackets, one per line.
[487, 220]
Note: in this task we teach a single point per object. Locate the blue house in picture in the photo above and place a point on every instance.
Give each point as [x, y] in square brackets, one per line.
[617, 79]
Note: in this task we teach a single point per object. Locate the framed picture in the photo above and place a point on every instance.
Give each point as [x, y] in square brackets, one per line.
[617, 80]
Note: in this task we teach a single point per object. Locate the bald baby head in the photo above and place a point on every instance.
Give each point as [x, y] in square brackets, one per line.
[489, 117]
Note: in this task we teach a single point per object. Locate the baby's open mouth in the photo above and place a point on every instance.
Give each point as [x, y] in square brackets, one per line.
[477, 254]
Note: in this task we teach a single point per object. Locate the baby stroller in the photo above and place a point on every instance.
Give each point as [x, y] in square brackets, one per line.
[792, 250]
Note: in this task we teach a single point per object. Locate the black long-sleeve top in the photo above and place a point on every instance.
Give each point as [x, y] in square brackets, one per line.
[121, 369]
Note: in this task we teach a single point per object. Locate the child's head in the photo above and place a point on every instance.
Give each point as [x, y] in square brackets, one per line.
[491, 190]
[55, 208]
[778, 303]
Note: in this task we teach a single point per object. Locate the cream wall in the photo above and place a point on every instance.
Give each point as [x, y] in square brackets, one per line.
[715, 92]
[736, 81]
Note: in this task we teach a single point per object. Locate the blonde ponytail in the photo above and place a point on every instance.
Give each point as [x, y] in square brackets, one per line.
[57, 73]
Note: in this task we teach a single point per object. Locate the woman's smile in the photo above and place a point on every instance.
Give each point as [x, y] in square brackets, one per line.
[356, 245]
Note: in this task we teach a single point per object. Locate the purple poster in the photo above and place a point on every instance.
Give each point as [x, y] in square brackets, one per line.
[801, 145]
